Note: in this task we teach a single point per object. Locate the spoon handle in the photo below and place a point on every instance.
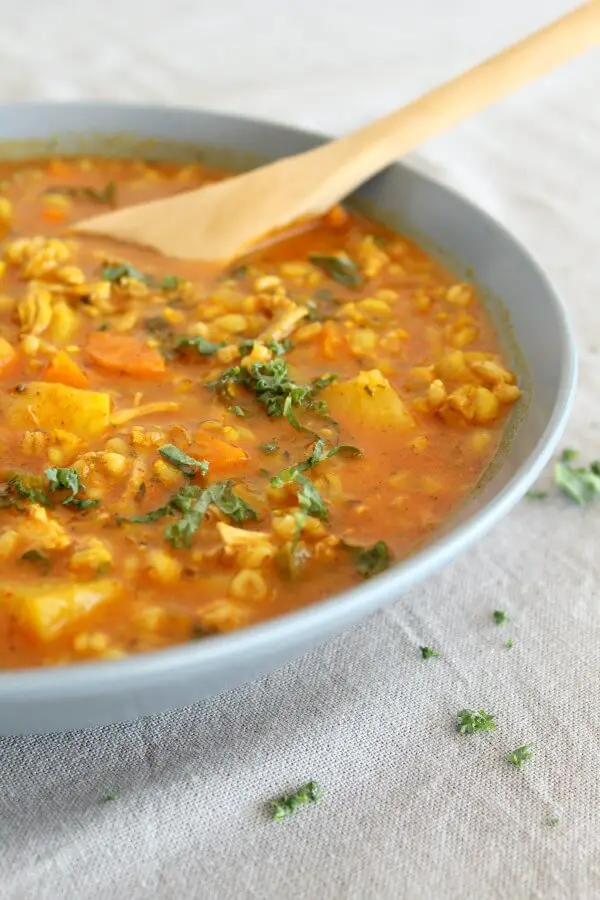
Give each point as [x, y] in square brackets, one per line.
[350, 160]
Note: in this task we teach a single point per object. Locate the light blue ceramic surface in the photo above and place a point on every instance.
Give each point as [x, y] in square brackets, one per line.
[59, 699]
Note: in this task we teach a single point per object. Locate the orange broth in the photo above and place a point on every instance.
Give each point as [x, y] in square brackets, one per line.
[114, 398]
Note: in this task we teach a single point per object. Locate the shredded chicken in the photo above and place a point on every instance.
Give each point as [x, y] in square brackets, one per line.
[239, 537]
[147, 409]
[283, 326]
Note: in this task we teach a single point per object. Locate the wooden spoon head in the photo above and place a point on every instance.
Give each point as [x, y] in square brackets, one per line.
[220, 221]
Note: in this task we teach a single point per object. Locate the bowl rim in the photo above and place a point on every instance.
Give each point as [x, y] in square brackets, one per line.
[94, 678]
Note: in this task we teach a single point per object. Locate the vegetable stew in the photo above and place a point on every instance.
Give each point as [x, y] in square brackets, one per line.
[185, 452]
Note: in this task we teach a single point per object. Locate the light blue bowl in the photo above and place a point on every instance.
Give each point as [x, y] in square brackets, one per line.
[59, 699]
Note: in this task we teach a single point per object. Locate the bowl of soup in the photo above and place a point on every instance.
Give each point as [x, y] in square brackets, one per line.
[205, 472]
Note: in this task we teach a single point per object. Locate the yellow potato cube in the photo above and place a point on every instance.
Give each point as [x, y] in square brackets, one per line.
[368, 400]
[49, 607]
[47, 406]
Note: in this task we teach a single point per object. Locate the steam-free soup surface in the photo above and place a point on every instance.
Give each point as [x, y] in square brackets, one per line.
[185, 452]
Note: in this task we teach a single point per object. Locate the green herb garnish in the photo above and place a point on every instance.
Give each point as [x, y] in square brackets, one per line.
[286, 805]
[319, 454]
[40, 559]
[223, 385]
[21, 487]
[521, 755]
[63, 480]
[323, 294]
[68, 480]
[238, 272]
[223, 497]
[537, 495]
[272, 385]
[309, 499]
[190, 504]
[157, 325]
[428, 653]
[180, 460]
[114, 274]
[569, 455]
[280, 348]
[323, 381]
[580, 484]
[373, 560]
[171, 283]
[339, 267]
[499, 617]
[237, 411]
[270, 447]
[199, 344]
[107, 194]
[273, 388]
[471, 722]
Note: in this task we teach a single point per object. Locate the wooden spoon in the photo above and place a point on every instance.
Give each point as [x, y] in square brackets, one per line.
[223, 220]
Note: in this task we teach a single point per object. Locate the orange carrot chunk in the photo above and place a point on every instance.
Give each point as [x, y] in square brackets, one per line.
[66, 371]
[125, 354]
[52, 214]
[61, 168]
[220, 454]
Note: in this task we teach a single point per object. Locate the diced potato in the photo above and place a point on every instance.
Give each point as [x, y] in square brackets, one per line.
[363, 340]
[48, 406]
[64, 322]
[91, 556]
[368, 400]
[51, 606]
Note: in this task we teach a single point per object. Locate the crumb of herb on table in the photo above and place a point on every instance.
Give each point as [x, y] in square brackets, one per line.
[499, 617]
[428, 653]
[471, 722]
[509, 644]
[521, 755]
[554, 820]
[286, 805]
[579, 483]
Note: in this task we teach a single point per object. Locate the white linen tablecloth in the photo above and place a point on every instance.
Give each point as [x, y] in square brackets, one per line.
[411, 809]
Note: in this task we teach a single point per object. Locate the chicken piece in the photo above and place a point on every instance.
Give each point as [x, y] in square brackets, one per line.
[284, 325]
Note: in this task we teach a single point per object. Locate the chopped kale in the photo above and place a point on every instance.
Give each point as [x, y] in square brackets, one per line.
[106, 195]
[180, 460]
[199, 344]
[339, 267]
